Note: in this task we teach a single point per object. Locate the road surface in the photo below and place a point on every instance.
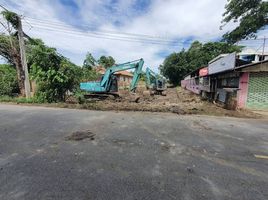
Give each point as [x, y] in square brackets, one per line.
[133, 155]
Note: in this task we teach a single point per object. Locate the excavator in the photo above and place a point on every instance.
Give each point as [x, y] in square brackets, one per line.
[108, 85]
[155, 83]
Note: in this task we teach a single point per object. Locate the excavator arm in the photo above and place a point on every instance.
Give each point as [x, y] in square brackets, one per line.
[104, 84]
[137, 65]
[151, 77]
[155, 82]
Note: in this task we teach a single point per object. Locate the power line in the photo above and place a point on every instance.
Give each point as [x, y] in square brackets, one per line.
[104, 31]
[123, 36]
[3, 7]
[108, 34]
[103, 34]
[77, 33]
[117, 32]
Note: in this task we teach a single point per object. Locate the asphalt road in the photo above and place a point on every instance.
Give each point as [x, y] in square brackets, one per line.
[133, 156]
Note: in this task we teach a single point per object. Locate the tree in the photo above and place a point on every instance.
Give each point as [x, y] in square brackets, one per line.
[89, 61]
[8, 80]
[106, 61]
[177, 65]
[251, 15]
[9, 49]
[54, 74]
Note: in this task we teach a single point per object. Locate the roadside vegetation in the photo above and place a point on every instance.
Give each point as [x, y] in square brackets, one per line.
[177, 65]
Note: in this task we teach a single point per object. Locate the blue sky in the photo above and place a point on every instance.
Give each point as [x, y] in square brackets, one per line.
[57, 22]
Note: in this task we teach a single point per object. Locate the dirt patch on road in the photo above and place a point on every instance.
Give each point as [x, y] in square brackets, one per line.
[81, 135]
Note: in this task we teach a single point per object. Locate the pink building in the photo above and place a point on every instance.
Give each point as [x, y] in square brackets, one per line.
[246, 84]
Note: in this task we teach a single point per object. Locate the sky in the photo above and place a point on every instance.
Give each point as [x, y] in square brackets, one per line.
[124, 29]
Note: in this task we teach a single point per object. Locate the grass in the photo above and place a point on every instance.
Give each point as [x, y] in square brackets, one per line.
[19, 99]
[7, 99]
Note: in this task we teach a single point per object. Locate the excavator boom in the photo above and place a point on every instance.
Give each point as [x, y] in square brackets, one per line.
[154, 82]
[108, 79]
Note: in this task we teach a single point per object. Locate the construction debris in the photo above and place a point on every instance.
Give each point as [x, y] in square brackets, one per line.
[177, 101]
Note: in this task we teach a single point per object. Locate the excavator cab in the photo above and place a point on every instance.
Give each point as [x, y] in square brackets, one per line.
[155, 83]
[114, 84]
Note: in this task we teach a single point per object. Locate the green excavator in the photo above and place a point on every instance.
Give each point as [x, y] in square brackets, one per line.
[108, 85]
[155, 83]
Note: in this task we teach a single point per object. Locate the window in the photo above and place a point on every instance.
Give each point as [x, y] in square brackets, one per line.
[261, 58]
[248, 58]
[229, 82]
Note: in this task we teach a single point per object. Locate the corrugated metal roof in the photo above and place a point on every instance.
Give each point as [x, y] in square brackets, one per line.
[249, 51]
[222, 64]
[217, 58]
[251, 64]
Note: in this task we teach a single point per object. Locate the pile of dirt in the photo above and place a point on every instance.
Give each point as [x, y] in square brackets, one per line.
[81, 135]
[177, 101]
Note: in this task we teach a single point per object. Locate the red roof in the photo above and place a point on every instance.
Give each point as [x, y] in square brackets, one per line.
[124, 73]
[102, 70]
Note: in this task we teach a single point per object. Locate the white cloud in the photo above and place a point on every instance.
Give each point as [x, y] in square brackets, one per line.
[176, 19]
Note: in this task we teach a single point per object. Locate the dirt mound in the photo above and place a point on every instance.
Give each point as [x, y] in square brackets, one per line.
[81, 135]
[177, 101]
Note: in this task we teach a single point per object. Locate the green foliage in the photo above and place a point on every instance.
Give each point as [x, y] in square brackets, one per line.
[6, 49]
[11, 17]
[26, 100]
[143, 76]
[8, 80]
[34, 99]
[177, 65]
[251, 14]
[89, 62]
[6, 98]
[106, 61]
[89, 75]
[54, 74]
[80, 96]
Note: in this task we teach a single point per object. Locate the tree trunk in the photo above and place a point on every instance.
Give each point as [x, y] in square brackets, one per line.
[19, 69]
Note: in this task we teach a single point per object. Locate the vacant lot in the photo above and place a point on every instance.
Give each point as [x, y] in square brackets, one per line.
[49, 153]
[177, 101]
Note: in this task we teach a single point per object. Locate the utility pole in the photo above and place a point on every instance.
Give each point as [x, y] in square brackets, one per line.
[264, 40]
[23, 59]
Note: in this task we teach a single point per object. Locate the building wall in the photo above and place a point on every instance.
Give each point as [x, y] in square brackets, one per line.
[253, 90]
[243, 90]
[191, 84]
[124, 81]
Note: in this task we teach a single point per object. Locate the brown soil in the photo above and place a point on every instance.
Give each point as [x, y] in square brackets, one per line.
[81, 135]
[177, 101]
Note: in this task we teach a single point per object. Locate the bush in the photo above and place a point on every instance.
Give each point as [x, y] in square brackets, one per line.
[89, 75]
[54, 74]
[79, 95]
[8, 80]
[21, 99]
[6, 98]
